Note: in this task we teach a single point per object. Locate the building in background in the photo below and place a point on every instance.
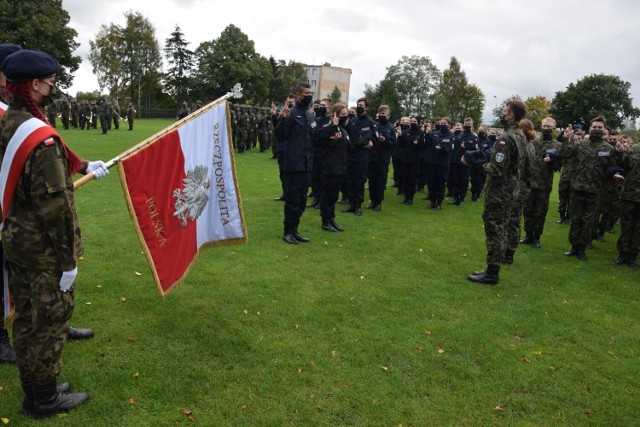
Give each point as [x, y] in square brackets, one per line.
[324, 78]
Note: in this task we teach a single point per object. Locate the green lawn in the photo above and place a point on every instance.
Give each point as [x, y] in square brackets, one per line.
[376, 326]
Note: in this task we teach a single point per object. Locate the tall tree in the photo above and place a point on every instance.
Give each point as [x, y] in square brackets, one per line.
[106, 59]
[537, 109]
[335, 95]
[453, 89]
[231, 59]
[41, 25]
[285, 78]
[473, 103]
[383, 93]
[181, 62]
[597, 94]
[416, 82]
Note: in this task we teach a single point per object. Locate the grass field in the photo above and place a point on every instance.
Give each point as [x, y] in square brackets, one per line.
[376, 326]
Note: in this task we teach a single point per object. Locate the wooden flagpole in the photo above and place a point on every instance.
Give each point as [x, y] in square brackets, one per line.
[236, 92]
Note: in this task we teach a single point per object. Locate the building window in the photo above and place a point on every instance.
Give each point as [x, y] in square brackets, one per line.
[307, 70]
[313, 82]
[315, 71]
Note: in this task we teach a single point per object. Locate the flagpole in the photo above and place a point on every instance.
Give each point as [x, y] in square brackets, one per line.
[236, 92]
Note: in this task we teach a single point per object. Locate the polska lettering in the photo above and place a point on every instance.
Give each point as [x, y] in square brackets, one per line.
[156, 223]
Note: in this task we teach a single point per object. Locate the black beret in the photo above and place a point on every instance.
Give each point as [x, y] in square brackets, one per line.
[7, 49]
[475, 157]
[612, 170]
[26, 65]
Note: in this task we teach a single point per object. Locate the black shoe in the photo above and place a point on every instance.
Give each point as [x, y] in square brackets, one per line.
[408, 202]
[622, 259]
[279, 198]
[377, 208]
[313, 204]
[572, 252]
[371, 206]
[589, 245]
[358, 212]
[398, 193]
[326, 226]
[310, 194]
[290, 238]
[344, 201]
[336, 226]
[48, 401]
[438, 207]
[460, 203]
[633, 261]
[350, 209]
[600, 238]
[6, 351]
[527, 240]
[300, 238]
[80, 333]
[610, 230]
[581, 255]
[27, 403]
[535, 243]
[484, 277]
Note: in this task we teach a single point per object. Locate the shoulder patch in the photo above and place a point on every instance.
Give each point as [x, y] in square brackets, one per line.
[499, 157]
[49, 142]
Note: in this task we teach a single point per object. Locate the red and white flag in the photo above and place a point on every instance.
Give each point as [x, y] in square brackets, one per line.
[3, 108]
[183, 195]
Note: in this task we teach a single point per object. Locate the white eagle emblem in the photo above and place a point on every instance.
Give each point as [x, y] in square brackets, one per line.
[190, 201]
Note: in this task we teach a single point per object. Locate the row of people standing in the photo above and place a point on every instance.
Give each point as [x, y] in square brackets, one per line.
[252, 126]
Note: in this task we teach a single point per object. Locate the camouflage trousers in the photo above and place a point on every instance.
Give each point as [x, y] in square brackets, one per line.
[629, 240]
[609, 211]
[564, 197]
[496, 218]
[40, 327]
[535, 211]
[513, 228]
[583, 213]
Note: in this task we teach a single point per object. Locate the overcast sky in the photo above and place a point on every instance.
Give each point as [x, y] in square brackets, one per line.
[506, 47]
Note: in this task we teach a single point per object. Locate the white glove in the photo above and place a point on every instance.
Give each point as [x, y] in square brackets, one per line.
[99, 169]
[67, 279]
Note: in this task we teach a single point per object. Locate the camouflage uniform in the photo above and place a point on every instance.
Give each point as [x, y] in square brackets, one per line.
[109, 113]
[131, 113]
[242, 130]
[264, 121]
[41, 238]
[52, 113]
[629, 240]
[94, 114]
[85, 113]
[115, 113]
[504, 170]
[609, 208]
[513, 228]
[537, 203]
[592, 159]
[65, 112]
[564, 189]
[104, 123]
[75, 111]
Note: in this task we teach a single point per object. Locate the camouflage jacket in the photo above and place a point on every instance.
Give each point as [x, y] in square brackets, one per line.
[541, 171]
[506, 166]
[591, 160]
[631, 163]
[41, 230]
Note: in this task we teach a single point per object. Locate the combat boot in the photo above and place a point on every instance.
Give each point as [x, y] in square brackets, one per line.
[326, 225]
[334, 225]
[488, 277]
[6, 351]
[633, 261]
[623, 258]
[47, 401]
[573, 251]
[527, 240]
[27, 387]
[582, 256]
[535, 241]
[507, 258]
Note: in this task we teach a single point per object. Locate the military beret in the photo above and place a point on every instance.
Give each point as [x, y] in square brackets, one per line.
[475, 157]
[552, 153]
[7, 49]
[612, 170]
[26, 65]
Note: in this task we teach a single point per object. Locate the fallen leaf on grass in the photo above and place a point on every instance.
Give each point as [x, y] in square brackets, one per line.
[88, 303]
[245, 311]
[498, 409]
[243, 407]
[537, 353]
[1, 389]
[135, 374]
[611, 353]
[131, 338]
[418, 347]
[588, 411]
[188, 414]
[5, 420]
[525, 359]
[299, 371]
[133, 401]
[586, 388]
[440, 350]
[98, 286]
[426, 332]
[385, 368]
[138, 274]
[123, 299]
[333, 353]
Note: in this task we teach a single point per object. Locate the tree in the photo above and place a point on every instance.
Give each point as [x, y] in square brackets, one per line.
[231, 59]
[537, 109]
[594, 95]
[286, 77]
[383, 93]
[335, 95]
[473, 103]
[415, 80]
[181, 61]
[106, 59]
[453, 90]
[497, 112]
[41, 25]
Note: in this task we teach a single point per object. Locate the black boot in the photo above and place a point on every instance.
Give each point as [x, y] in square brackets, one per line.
[582, 256]
[527, 240]
[350, 209]
[535, 241]
[80, 333]
[623, 258]
[573, 251]
[633, 261]
[47, 401]
[488, 277]
[326, 225]
[299, 237]
[438, 205]
[334, 225]
[6, 351]
[507, 258]
[289, 237]
[27, 387]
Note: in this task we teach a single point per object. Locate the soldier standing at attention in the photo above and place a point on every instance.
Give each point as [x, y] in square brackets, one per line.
[39, 202]
[629, 240]
[75, 111]
[65, 112]
[131, 113]
[503, 173]
[592, 158]
[104, 124]
[294, 130]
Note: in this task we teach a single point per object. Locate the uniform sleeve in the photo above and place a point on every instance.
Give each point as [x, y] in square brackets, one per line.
[51, 203]
[499, 160]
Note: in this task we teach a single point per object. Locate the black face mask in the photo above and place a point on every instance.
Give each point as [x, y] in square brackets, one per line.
[547, 133]
[306, 101]
[290, 105]
[457, 132]
[48, 99]
[437, 127]
[503, 120]
[351, 115]
[320, 111]
[404, 126]
[343, 120]
[444, 129]
[382, 118]
[492, 138]
[360, 110]
[414, 126]
[482, 134]
[467, 128]
[596, 135]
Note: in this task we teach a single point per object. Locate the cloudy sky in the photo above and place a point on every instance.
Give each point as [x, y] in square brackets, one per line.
[506, 47]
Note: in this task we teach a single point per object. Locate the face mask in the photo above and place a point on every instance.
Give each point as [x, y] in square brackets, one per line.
[414, 126]
[306, 101]
[467, 128]
[382, 118]
[596, 135]
[351, 115]
[290, 105]
[343, 120]
[503, 120]
[482, 134]
[457, 132]
[547, 132]
[404, 126]
[320, 111]
[492, 138]
[437, 127]
[444, 129]
[48, 99]
[360, 110]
